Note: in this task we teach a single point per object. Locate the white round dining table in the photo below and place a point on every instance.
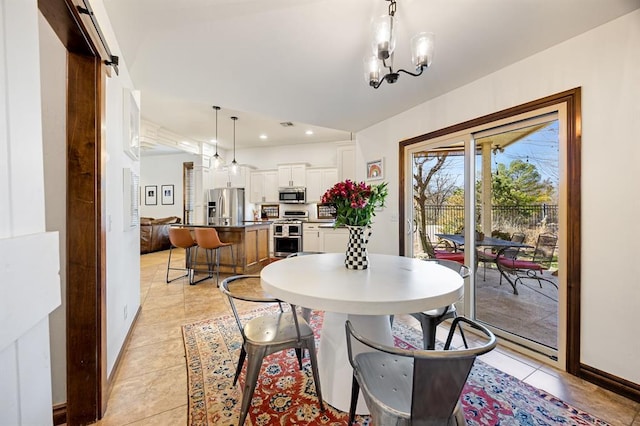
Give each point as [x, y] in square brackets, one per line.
[391, 285]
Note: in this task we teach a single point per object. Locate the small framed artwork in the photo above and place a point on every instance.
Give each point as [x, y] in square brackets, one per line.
[131, 123]
[167, 194]
[375, 170]
[151, 195]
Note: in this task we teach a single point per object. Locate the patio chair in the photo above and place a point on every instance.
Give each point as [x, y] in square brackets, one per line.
[434, 253]
[267, 334]
[413, 387]
[488, 255]
[533, 269]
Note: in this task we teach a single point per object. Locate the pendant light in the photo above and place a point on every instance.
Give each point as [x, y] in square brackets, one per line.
[216, 157]
[383, 43]
[234, 163]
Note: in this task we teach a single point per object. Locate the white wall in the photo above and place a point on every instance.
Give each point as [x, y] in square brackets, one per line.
[605, 63]
[123, 242]
[53, 74]
[28, 294]
[158, 170]
[315, 154]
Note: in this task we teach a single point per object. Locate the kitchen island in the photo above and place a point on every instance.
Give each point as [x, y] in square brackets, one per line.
[250, 247]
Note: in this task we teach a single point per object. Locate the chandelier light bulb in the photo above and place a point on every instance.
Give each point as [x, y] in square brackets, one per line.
[384, 41]
[422, 46]
[372, 69]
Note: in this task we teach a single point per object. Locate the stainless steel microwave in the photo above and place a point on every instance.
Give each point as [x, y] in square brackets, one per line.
[292, 195]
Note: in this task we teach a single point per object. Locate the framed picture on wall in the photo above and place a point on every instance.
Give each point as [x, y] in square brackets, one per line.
[131, 123]
[151, 195]
[167, 194]
[375, 169]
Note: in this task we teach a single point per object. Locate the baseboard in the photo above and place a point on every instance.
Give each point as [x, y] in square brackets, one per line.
[60, 410]
[609, 381]
[60, 414]
[116, 365]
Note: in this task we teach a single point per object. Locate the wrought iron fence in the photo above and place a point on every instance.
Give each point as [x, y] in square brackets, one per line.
[450, 218]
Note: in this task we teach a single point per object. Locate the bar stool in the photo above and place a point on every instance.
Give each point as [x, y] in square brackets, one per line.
[180, 238]
[208, 239]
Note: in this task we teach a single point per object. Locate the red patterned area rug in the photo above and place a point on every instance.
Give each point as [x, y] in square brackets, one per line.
[285, 395]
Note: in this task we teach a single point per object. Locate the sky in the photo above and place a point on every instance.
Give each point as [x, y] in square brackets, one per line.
[540, 149]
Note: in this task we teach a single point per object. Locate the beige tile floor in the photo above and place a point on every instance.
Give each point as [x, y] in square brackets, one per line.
[150, 385]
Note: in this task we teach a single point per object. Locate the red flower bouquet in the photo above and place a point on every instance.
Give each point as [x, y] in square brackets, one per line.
[355, 202]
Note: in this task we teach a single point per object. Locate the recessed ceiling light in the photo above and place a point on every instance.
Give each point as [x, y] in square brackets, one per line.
[308, 132]
[263, 136]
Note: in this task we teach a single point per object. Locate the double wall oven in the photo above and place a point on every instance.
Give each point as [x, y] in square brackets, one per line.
[287, 233]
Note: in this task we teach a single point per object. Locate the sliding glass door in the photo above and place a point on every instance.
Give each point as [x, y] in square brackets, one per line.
[491, 192]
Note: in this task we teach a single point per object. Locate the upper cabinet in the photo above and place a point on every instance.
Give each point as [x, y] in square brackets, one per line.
[263, 187]
[318, 181]
[223, 178]
[347, 162]
[292, 175]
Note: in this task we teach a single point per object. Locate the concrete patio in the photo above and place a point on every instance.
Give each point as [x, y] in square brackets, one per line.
[531, 314]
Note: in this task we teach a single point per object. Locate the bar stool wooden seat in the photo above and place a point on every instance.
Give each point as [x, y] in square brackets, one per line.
[180, 238]
[208, 239]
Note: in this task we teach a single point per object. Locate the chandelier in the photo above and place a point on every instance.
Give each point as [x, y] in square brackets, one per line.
[383, 44]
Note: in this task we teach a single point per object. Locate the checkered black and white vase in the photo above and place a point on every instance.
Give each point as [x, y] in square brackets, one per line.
[356, 256]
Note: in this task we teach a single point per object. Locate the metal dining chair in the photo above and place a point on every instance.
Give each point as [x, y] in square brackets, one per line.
[429, 320]
[306, 312]
[413, 387]
[267, 334]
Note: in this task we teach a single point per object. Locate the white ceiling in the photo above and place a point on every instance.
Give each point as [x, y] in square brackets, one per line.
[270, 61]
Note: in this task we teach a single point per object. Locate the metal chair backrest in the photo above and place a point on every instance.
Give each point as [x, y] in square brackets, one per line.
[438, 375]
[512, 253]
[232, 295]
[545, 248]
[431, 251]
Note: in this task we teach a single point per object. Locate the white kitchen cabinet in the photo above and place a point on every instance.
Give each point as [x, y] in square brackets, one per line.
[347, 162]
[292, 175]
[326, 239]
[223, 178]
[318, 181]
[334, 240]
[263, 187]
[311, 237]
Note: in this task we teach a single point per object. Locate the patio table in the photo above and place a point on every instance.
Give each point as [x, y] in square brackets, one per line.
[497, 243]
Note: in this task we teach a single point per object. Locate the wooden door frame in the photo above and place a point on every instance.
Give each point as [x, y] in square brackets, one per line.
[86, 344]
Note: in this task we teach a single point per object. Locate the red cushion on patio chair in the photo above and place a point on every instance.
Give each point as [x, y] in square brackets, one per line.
[520, 264]
[448, 255]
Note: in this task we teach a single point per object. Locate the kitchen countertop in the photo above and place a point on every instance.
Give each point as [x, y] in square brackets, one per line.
[245, 224]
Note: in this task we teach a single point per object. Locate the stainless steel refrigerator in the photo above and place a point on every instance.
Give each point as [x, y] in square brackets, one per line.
[225, 207]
